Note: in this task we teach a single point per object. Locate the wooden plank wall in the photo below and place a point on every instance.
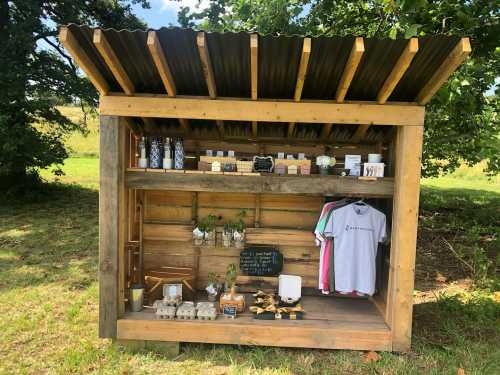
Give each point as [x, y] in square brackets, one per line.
[169, 216]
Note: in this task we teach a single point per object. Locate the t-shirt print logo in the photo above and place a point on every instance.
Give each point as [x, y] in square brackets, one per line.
[355, 227]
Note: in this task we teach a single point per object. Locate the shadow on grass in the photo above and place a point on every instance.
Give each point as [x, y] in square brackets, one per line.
[51, 239]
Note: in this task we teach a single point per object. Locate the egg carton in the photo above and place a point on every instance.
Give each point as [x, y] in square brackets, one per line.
[205, 305]
[164, 311]
[186, 311]
[207, 313]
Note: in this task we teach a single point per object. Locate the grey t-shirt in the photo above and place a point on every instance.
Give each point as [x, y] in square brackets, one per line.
[357, 230]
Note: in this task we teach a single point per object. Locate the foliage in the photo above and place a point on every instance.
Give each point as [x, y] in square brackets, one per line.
[36, 74]
[462, 123]
[207, 224]
[231, 275]
[213, 278]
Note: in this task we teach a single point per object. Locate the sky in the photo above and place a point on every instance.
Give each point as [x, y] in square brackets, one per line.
[164, 12]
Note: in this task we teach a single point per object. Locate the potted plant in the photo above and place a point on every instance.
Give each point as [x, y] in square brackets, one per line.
[199, 233]
[239, 230]
[213, 288]
[227, 234]
[210, 235]
[230, 297]
[230, 277]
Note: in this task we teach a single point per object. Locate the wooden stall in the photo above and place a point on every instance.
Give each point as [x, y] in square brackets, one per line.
[257, 95]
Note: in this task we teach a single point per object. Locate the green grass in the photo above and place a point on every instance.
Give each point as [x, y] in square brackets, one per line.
[49, 289]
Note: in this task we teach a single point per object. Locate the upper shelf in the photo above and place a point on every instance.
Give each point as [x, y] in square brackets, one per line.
[269, 183]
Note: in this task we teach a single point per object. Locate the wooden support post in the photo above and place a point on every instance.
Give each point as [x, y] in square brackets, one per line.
[357, 51]
[111, 213]
[404, 235]
[254, 69]
[69, 42]
[449, 65]
[301, 77]
[257, 211]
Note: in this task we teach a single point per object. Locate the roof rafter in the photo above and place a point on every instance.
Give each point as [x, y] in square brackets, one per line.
[160, 61]
[325, 131]
[449, 65]
[104, 48]
[350, 68]
[360, 133]
[398, 70]
[254, 69]
[208, 72]
[69, 42]
[301, 77]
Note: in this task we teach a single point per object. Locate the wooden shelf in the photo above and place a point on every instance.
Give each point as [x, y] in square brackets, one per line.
[329, 323]
[269, 183]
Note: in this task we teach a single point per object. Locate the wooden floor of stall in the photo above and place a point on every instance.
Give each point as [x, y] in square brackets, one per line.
[329, 323]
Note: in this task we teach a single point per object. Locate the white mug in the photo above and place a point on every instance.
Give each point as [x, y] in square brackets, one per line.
[167, 163]
[374, 158]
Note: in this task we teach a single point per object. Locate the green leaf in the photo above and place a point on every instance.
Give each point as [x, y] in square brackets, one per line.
[412, 30]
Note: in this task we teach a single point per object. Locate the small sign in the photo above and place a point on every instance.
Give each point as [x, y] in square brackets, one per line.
[261, 261]
[229, 311]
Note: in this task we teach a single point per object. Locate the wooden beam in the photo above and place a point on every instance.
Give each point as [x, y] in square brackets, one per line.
[160, 61]
[399, 69]
[357, 51]
[208, 72]
[404, 235]
[254, 69]
[110, 200]
[112, 61]
[325, 131]
[314, 185]
[262, 110]
[449, 65]
[360, 133]
[254, 64]
[206, 64]
[301, 77]
[78, 54]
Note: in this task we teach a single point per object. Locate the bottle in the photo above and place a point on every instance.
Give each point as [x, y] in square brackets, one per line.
[179, 154]
[155, 153]
[167, 154]
[143, 161]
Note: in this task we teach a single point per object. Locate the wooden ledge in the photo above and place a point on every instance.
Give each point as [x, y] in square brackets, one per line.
[310, 185]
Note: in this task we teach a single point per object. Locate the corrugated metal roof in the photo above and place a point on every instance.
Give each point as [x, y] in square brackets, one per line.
[278, 64]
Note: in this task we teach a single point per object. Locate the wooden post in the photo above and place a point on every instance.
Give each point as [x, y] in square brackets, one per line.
[111, 227]
[404, 235]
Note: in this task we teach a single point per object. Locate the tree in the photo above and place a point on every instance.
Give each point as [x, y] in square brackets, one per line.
[462, 123]
[36, 74]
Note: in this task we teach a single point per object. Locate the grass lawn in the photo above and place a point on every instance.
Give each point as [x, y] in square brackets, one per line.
[49, 290]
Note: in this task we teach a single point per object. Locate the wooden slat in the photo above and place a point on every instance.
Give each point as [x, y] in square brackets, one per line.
[404, 235]
[78, 54]
[262, 110]
[301, 77]
[160, 60]
[311, 185]
[357, 51]
[254, 69]
[112, 62]
[111, 184]
[399, 69]
[168, 232]
[449, 65]
[275, 236]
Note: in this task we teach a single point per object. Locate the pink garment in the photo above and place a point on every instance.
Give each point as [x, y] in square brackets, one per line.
[327, 253]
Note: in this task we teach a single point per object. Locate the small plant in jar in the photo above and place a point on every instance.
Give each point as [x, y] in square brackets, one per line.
[227, 234]
[214, 287]
[239, 230]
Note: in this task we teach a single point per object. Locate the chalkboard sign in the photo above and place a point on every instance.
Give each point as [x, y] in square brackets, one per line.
[229, 311]
[261, 261]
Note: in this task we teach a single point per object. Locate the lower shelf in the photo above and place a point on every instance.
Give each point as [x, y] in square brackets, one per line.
[330, 323]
